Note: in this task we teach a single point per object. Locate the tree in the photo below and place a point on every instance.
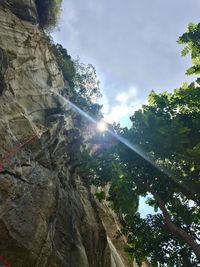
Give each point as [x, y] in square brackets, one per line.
[149, 237]
[162, 128]
[167, 129]
[86, 82]
[86, 89]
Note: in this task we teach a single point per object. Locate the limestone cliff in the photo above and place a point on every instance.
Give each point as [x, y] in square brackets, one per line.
[47, 214]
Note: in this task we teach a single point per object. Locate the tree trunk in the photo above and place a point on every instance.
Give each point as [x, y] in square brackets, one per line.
[173, 228]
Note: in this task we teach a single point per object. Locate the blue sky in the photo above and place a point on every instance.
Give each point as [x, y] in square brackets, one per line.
[131, 43]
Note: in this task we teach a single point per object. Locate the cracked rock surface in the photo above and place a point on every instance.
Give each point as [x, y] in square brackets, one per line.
[47, 214]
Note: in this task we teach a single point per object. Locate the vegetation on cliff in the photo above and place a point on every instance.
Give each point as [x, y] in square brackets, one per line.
[81, 80]
[65, 62]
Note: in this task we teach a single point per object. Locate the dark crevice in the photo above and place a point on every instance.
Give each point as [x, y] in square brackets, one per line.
[15, 175]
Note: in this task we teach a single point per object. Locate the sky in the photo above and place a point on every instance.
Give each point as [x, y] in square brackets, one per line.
[131, 43]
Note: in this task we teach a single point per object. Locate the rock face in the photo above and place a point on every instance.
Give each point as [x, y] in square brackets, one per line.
[47, 214]
[24, 9]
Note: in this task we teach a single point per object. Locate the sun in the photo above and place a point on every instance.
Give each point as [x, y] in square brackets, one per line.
[101, 126]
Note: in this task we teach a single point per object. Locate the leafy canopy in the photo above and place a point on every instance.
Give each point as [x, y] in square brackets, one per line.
[191, 39]
[168, 130]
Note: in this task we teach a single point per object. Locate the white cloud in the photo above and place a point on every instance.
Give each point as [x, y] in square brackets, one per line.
[125, 97]
[125, 105]
[117, 113]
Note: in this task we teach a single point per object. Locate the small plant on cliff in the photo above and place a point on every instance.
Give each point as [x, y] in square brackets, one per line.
[86, 89]
[48, 11]
[65, 63]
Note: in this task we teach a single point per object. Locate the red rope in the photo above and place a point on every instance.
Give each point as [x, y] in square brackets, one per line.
[2, 260]
[13, 151]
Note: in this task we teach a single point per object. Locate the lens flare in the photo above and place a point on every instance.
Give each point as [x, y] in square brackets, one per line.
[102, 126]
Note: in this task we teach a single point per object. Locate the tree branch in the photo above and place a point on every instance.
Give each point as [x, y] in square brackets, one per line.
[180, 233]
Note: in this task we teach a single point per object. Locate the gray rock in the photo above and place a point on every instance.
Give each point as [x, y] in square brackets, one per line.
[3, 68]
[47, 214]
[24, 9]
